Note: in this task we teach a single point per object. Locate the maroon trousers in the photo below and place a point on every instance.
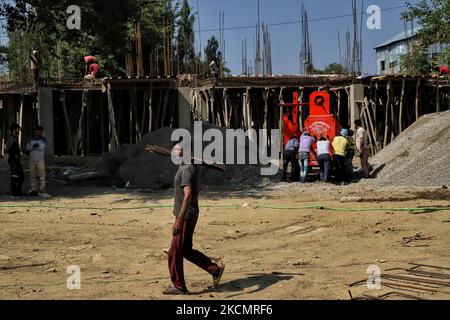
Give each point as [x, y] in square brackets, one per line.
[181, 248]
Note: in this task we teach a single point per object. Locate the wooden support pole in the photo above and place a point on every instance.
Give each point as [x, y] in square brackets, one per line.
[302, 117]
[266, 94]
[22, 99]
[78, 137]
[281, 125]
[150, 110]
[372, 129]
[164, 107]
[87, 145]
[114, 139]
[417, 99]
[438, 99]
[402, 103]
[102, 124]
[226, 106]
[386, 118]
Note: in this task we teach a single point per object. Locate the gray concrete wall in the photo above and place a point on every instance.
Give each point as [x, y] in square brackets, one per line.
[184, 108]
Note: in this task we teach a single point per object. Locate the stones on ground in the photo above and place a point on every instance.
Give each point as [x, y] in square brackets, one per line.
[4, 258]
[98, 259]
[82, 247]
[351, 199]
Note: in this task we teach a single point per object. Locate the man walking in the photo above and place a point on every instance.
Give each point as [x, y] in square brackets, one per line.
[36, 147]
[186, 211]
[362, 146]
[14, 161]
[290, 156]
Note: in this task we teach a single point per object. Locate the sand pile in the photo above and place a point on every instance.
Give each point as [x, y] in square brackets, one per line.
[132, 165]
[420, 156]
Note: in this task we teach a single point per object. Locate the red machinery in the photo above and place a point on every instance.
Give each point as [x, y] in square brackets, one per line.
[320, 122]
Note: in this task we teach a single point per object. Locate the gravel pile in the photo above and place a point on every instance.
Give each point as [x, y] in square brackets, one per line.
[420, 156]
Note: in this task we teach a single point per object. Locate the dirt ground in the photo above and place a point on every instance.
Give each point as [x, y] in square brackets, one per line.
[117, 238]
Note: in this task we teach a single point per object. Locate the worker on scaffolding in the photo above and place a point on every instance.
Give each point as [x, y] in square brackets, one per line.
[442, 71]
[34, 68]
[92, 67]
[214, 70]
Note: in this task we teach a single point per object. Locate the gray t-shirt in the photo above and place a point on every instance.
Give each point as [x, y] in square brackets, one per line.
[187, 175]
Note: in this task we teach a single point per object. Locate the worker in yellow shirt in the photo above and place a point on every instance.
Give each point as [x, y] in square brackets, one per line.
[340, 147]
[350, 153]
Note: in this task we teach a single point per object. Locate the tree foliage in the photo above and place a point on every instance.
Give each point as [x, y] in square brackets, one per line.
[416, 61]
[107, 31]
[434, 17]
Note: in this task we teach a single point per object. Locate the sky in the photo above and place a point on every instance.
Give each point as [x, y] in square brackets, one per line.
[286, 39]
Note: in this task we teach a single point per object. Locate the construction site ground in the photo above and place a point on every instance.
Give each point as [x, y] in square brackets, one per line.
[117, 238]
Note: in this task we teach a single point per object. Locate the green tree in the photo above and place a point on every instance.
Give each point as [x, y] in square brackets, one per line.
[416, 62]
[334, 68]
[107, 28]
[212, 50]
[434, 17]
[185, 39]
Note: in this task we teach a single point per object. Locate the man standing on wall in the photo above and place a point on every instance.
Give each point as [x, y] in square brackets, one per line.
[362, 146]
[186, 211]
[14, 161]
[34, 68]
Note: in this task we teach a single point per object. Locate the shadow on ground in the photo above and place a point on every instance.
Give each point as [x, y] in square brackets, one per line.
[260, 281]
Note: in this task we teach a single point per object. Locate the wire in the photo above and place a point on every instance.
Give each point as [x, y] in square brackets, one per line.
[233, 206]
[111, 209]
[298, 21]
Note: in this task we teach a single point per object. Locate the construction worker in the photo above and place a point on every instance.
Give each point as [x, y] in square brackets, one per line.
[324, 158]
[92, 67]
[214, 70]
[290, 156]
[442, 71]
[305, 148]
[362, 147]
[36, 148]
[350, 153]
[14, 161]
[34, 68]
[186, 211]
[340, 146]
